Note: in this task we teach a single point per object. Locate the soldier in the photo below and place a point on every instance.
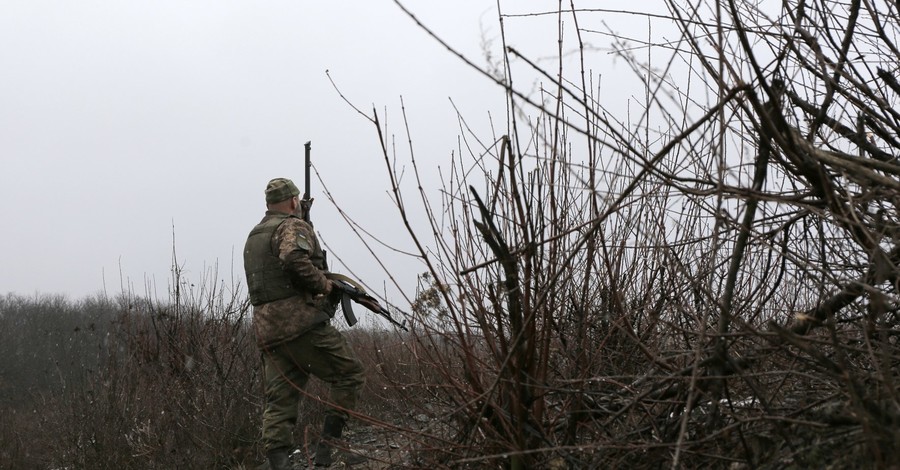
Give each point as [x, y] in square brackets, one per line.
[292, 309]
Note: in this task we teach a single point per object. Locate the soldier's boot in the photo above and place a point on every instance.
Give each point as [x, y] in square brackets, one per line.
[331, 435]
[277, 459]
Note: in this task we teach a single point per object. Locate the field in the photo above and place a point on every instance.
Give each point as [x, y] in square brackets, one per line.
[126, 383]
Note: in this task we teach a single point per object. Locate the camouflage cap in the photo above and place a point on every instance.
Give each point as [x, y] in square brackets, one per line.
[280, 189]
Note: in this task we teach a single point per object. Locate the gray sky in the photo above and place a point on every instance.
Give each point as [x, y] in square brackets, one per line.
[121, 122]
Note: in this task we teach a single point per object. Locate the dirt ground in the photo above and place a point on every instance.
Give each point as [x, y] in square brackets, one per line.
[384, 447]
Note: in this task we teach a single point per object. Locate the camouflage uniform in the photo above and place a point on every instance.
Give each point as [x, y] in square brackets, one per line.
[293, 332]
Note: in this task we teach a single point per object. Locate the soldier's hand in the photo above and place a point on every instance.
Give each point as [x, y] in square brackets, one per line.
[306, 204]
[329, 285]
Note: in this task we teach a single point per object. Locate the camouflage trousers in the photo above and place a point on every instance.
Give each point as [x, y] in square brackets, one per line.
[322, 352]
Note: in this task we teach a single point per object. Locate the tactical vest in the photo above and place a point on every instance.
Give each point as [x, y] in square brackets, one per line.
[267, 280]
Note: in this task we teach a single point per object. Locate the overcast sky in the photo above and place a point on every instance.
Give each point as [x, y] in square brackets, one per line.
[125, 122]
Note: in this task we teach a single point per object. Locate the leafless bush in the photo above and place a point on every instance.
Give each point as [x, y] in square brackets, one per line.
[711, 280]
[138, 382]
[169, 384]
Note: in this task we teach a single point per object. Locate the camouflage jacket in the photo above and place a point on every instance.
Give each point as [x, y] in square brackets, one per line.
[302, 258]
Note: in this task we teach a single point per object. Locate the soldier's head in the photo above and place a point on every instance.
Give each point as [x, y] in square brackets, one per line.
[282, 195]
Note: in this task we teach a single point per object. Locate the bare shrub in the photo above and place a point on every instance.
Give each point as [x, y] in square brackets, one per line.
[157, 385]
[709, 280]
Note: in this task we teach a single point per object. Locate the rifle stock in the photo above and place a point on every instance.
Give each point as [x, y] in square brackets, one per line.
[307, 201]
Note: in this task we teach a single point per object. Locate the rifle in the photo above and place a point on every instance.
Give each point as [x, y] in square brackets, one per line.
[353, 291]
[350, 290]
[307, 200]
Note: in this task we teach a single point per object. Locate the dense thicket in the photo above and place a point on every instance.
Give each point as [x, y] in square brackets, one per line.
[705, 276]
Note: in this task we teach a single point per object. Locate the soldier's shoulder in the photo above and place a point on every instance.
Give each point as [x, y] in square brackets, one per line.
[295, 221]
[294, 224]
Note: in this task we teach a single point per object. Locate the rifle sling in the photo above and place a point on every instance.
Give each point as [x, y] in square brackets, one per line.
[349, 280]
